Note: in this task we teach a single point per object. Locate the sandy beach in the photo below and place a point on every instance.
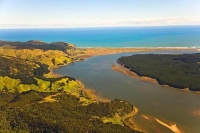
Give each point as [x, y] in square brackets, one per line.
[90, 52]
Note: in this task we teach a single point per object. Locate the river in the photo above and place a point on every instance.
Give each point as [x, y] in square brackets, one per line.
[159, 106]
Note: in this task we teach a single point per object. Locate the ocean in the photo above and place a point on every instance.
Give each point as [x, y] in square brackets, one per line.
[168, 36]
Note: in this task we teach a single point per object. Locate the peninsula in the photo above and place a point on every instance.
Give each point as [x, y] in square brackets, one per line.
[179, 71]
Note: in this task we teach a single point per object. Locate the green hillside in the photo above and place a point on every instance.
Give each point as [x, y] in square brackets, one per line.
[33, 100]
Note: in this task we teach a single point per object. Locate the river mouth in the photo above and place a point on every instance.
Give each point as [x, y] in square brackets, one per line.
[158, 105]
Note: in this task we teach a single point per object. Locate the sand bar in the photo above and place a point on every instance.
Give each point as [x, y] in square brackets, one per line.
[90, 52]
[173, 127]
[121, 69]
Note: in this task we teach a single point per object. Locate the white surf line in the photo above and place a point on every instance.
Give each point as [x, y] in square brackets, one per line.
[174, 128]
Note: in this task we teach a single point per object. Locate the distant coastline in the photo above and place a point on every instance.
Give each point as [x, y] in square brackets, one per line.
[91, 52]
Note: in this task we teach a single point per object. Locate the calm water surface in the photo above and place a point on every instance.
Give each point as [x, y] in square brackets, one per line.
[175, 36]
[172, 106]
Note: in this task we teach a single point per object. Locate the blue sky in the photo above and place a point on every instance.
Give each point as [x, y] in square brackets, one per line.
[97, 13]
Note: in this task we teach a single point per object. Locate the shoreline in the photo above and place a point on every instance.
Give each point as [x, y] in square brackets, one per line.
[92, 93]
[92, 52]
[129, 121]
[121, 69]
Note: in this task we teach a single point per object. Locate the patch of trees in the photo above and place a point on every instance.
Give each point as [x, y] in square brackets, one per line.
[32, 80]
[179, 71]
[25, 114]
[107, 109]
[34, 44]
[56, 79]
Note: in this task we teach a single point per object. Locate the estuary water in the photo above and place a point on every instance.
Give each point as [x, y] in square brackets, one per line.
[173, 107]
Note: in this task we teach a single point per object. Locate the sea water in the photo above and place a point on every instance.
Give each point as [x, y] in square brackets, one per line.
[174, 36]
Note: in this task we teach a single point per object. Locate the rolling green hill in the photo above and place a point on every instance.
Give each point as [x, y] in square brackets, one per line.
[32, 100]
[30, 112]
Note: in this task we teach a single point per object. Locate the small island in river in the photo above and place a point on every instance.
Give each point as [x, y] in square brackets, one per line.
[179, 71]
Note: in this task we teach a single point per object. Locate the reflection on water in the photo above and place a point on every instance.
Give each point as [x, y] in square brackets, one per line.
[160, 108]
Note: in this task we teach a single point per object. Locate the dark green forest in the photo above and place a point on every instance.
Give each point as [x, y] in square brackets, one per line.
[24, 113]
[179, 71]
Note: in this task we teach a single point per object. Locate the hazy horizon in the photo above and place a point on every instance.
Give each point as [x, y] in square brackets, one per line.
[97, 27]
[99, 13]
